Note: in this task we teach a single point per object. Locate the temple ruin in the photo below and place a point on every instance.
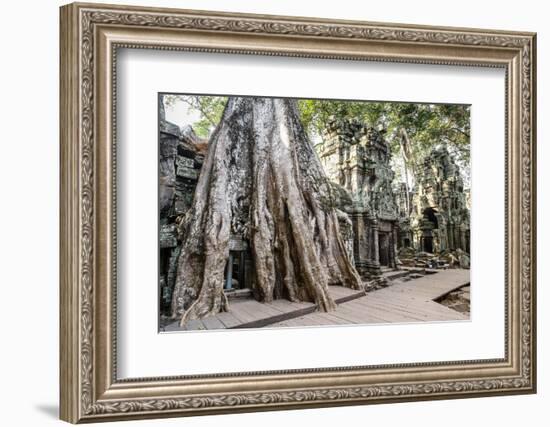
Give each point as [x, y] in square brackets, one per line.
[377, 219]
[356, 158]
[181, 156]
[181, 159]
[438, 218]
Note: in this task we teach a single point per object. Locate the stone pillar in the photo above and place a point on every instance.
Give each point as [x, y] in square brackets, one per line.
[375, 243]
[395, 233]
[391, 248]
[362, 241]
[450, 232]
[463, 244]
[369, 243]
[369, 265]
[229, 272]
[362, 247]
[459, 237]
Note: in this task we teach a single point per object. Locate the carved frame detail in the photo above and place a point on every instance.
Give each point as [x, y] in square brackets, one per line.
[89, 388]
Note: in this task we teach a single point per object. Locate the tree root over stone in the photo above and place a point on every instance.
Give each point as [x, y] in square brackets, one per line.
[261, 179]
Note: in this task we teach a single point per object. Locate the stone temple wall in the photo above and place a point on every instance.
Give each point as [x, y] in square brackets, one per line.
[180, 161]
[356, 158]
[439, 217]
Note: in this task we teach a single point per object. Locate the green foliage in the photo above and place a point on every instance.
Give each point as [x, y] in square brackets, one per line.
[426, 125]
[316, 112]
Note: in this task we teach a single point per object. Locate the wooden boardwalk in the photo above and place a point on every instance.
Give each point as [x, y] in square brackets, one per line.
[249, 313]
[403, 302]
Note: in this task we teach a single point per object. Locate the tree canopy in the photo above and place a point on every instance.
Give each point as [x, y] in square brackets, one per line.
[425, 125]
[422, 125]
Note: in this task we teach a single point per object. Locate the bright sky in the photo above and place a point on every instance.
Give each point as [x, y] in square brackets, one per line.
[180, 114]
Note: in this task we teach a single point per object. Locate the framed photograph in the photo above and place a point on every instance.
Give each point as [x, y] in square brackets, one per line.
[267, 212]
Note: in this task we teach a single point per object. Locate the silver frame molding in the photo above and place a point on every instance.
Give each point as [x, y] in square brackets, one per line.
[90, 37]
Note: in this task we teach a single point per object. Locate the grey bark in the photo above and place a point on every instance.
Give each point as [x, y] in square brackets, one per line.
[408, 165]
[262, 180]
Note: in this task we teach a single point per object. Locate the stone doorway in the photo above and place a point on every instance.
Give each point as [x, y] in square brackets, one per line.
[428, 244]
[235, 270]
[384, 248]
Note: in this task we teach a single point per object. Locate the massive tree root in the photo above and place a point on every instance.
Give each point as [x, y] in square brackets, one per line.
[261, 179]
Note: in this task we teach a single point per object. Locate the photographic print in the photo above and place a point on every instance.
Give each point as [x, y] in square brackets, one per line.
[280, 212]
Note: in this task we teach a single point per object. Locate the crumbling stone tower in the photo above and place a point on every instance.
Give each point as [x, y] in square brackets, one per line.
[440, 217]
[356, 158]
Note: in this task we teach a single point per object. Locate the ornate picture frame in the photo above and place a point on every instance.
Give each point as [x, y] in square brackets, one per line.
[90, 37]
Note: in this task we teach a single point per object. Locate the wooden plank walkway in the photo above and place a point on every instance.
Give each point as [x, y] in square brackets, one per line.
[249, 313]
[406, 302]
[410, 301]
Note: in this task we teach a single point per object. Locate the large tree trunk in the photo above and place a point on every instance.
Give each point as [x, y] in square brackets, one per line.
[261, 179]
